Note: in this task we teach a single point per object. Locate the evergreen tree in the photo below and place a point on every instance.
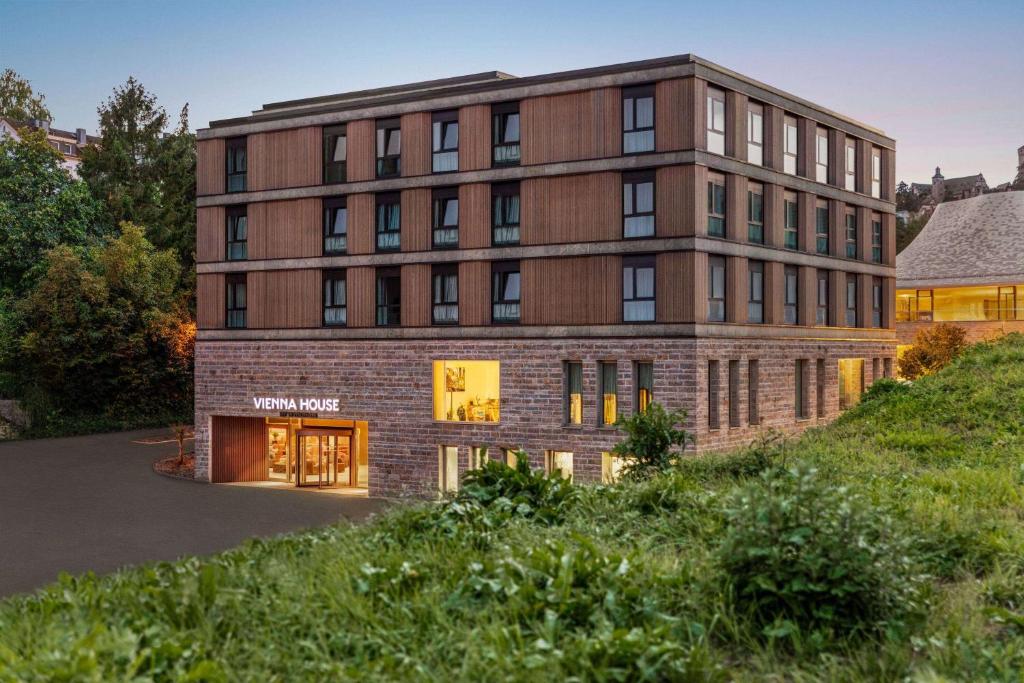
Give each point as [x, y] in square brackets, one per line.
[17, 99]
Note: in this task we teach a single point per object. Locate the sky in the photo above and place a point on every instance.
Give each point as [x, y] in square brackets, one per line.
[945, 80]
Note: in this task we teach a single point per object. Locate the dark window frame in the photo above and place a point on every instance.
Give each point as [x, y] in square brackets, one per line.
[500, 273]
[876, 244]
[602, 377]
[500, 115]
[753, 391]
[823, 311]
[328, 303]
[632, 95]
[877, 301]
[232, 214]
[501, 196]
[791, 230]
[334, 171]
[851, 235]
[629, 197]
[822, 218]
[331, 205]
[231, 305]
[638, 385]
[440, 273]
[755, 219]
[440, 124]
[388, 165]
[800, 403]
[380, 200]
[755, 268]
[714, 395]
[440, 199]
[235, 151]
[383, 277]
[635, 263]
[851, 296]
[716, 192]
[794, 304]
[569, 368]
[717, 262]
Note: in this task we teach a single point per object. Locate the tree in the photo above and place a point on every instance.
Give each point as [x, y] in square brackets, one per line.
[17, 99]
[907, 199]
[176, 165]
[906, 232]
[934, 348]
[653, 442]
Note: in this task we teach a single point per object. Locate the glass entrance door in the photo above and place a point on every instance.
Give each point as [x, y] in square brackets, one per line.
[324, 459]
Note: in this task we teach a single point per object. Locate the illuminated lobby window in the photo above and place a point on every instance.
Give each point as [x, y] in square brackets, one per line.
[959, 304]
[448, 469]
[611, 467]
[558, 461]
[466, 390]
[851, 381]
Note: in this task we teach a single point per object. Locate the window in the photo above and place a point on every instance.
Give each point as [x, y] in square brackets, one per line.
[821, 159]
[445, 142]
[791, 294]
[851, 381]
[237, 233]
[335, 226]
[791, 145]
[638, 119]
[467, 390]
[505, 134]
[917, 305]
[448, 469]
[734, 393]
[791, 231]
[887, 367]
[851, 234]
[753, 384]
[876, 302]
[389, 148]
[511, 456]
[821, 315]
[755, 213]
[236, 300]
[755, 291]
[716, 121]
[819, 381]
[234, 149]
[876, 238]
[638, 288]
[821, 227]
[713, 400]
[335, 154]
[876, 172]
[755, 133]
[607, 388]
[560, 462]
[445, 279]
[335, 297]
[389, 297]
[446, 218]
[799, 400]
[851, 300]
[389, 222]
[851, 165]
[611, 467]
[477, 457]
[573, 393]
[716, 205]
[875, 369]
[643, 374]
[505, 293]
[505, 214]
[638, 205]
[716, 288]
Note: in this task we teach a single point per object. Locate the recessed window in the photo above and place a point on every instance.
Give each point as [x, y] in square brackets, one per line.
[335, 226]
[790, 145]
[714, 420]
[819, 386]
[607, 378]
[236, 300]
[445, 142]
[644, 385]
[821, 156]
[335, 298]
[791, 214]
[821, 219]
[851, 300]
[477, 457]
[389, 148]
[851, 165]
[335, 154]
[791, 294]
[876, 238]
[755, 133]
[638, 289]
[445, 279]
[235, 151]
[389, 222]
[876, 172]
[389, 297]
[638, 119]
[467, 390]
[734, 393]
[755, 291]
[755, 213]
[505, 292]
[716, 289]
[558, 462]
[611, 467]
[821, 314]
[851, 234]
[505, 134]
[510, 456]
[446, 218]
[753, 387]
[851, 381]
[716, 121]
[876, 302]
[237, 233]
[799, 380]
[573, 396]
[448, 469]
[638, 205]
[505, 214]
[716, 205]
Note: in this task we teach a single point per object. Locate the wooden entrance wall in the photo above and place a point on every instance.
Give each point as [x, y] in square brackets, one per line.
[239, 449]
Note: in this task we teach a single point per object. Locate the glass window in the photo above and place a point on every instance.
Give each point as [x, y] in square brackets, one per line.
[505, 134]
[851, 165]
[755, 289]
[335, 154]
[791, 211]
[467, 390]
[790, 148]
[389, 148]
[505, 214]
[876, 239]
[235, 152]
[389, 297]
[389, 222]
[236, 300]
[791, 293]
[876, 172]
[851, 381]
[511, 456]
[446, 218]
[821, 315]
[851, 300]
[876, 302]
[611, 467]
[505, 292]
[821, 159]
[753, 385]
[799, 399]
[821, 227]
[734, 393]
[755, 133]
[851, 234]
[445, 142]
[445, 289]
[607, 391]
[638, 205]
[573, 393]
[644, 385]
[237, 233]
[638, 119]
[638, 289]
[716, 288]
[713, 396]
[558, 461]
[755, 214]
[477, 457]
[448, 469]
[716, 121]
[716, 206]
[335, 226]
[335, 298]
[819, 385]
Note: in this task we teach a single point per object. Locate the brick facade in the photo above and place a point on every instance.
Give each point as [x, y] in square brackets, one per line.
[977, 331]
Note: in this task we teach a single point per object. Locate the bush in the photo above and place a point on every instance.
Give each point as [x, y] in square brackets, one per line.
[934, 348]
[806, 558]
[520, 491]
[653, 442]
[883, 387]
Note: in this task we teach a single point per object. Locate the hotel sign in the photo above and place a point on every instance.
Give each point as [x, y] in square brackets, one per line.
[305, 405]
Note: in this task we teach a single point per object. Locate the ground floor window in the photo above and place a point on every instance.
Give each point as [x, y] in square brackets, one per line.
[611, 467]
[644, 373]
[511, 457]
[448, 469]
[607, 375]
[467, 390]
[851, 381]
[558, 461]
[477, 457]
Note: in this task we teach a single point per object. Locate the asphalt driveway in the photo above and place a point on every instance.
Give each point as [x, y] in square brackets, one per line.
[94, 503]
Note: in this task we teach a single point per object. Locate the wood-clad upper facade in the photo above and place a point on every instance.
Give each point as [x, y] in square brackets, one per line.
[671, 194]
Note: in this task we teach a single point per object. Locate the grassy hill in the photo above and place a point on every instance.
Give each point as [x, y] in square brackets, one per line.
[888, 546]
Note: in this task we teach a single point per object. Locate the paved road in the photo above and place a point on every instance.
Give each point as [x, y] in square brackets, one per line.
[94, 503]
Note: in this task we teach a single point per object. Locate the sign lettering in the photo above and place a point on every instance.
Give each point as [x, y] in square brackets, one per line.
[325, 405]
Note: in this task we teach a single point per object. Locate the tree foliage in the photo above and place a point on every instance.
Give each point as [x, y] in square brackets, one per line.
[653, 441]
[906, 232]
[934, 348]
[907, 199]
[17, 99]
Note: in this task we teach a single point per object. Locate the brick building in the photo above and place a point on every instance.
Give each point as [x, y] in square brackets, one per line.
[497, 262]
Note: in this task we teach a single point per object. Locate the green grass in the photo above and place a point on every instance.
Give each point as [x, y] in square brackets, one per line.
[617, 583]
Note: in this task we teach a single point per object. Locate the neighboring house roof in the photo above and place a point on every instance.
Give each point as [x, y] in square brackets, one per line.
[968, 182]
[976, 241]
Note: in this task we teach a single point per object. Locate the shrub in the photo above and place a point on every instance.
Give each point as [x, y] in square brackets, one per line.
[934, 348]
[653, 442]
[519, 490]
[884, 387]
[803, 557]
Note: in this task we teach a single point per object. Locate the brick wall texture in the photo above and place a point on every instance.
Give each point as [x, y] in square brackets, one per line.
[981, 330]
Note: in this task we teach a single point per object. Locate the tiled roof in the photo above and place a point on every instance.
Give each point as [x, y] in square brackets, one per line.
[965, 183]
[976, 241]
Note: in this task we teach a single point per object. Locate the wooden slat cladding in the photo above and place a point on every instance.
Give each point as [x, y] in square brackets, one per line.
[211, 168]
[774, 291]
[574, 126]
[584, 290]
[362, 150]
[281, 299]
[475, 137]
[211, 234]
[285, 229]
[361, 209]
[474, 216]
[888, 297]
[774, 119]
[415, 143]
[863, 167]
[836, 228]
[210, 304]
[736, 289]
[888, 239]
[806, 147]
[807, 295]
[864, 283]
[837, 157]
[837, 298]
[673, 296]
[806, 205]
[695, 279]
[888, 175]
[580, 208]
[362, 296]
[736, 125]
[681, 202]
[863, 233]
[416, 295]
[774, 215]
[416, 219]
[675, 128]
[475, 293]
[696, 97]
[736, 207]
[238, 449]
[287, 158]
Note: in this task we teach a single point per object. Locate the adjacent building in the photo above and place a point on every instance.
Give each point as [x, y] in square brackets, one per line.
[396, 283]
[69, 144]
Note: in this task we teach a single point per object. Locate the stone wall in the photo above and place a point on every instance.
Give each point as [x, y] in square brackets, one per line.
[977, 331]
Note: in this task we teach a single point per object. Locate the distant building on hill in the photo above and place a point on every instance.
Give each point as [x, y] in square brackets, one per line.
[945, 189]
[69, 144]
